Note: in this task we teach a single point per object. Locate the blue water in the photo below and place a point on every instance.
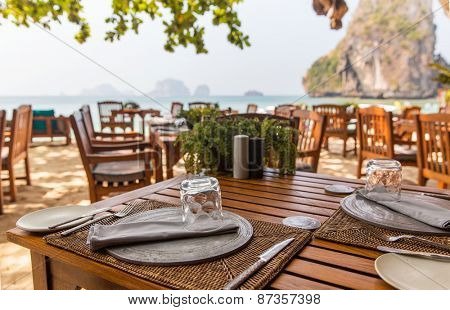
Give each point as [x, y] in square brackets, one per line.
[65, 105]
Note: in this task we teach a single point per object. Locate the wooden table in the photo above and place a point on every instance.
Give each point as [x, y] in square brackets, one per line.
[319, 265]
[133, 112]
[167, 141]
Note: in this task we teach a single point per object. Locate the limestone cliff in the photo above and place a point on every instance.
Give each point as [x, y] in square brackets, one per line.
[398, 69]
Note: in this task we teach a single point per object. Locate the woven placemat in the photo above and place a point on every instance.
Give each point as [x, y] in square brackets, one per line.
[209, 275]
[345, 229]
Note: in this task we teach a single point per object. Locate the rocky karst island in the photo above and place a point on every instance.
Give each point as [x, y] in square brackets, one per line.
[397, 69]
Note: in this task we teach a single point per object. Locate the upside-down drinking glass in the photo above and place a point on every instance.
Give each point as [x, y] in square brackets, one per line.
[201, 203]
[384, 179]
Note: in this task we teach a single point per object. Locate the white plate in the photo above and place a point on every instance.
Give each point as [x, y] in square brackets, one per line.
[413, 273]
[39, 221]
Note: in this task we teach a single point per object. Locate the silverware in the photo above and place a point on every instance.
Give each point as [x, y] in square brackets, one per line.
[440, 196]
[264, 258]
[122, 213]
[387, 238]
[413, 253]
[88, 214]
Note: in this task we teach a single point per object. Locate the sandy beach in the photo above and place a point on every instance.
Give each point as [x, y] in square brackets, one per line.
[58, 179]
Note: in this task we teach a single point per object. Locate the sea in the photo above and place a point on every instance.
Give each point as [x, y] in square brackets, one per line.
[65, 105]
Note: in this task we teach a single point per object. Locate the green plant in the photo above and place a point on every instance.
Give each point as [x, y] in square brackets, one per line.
[209, 144]
[194, 116]
[443, 73]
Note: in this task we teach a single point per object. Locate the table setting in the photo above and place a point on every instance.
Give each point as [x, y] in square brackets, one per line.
[193, 245]
[414, 229]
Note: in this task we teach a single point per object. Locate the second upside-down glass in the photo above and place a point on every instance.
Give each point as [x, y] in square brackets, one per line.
[384, 179]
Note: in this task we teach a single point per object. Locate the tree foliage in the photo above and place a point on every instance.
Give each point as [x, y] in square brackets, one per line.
[179, 17]
[443, 73]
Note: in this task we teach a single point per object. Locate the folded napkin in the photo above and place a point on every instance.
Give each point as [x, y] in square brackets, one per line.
[431, 211]
[101, 236]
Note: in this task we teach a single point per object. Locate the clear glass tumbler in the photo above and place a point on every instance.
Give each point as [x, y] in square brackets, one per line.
[201, 203]
[384, 179]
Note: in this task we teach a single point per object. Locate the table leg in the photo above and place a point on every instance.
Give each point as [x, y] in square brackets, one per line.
[170, 157]
[40, 272]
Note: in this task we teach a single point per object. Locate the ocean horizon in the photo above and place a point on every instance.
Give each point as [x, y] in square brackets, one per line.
[65, 105]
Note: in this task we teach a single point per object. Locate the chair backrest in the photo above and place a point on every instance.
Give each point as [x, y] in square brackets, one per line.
[337, 116]
[252, 108]
[410, 112]
[2, 133]
[81, 134]
[40, 126]
[20, 132]
[284, 110]
[433, 146]
[200, 105]
[87, 119]
[311, 128]
[105, 109]
[375, 132]
[445, 110]
[176, 108]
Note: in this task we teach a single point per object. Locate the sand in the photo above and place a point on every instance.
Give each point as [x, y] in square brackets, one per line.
[58, 179]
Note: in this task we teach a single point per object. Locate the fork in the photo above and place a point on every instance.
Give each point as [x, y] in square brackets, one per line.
[122, 213]
[387, 238]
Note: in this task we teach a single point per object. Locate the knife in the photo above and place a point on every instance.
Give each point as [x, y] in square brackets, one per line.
[413, 253]
[440, 196]
[264, 258]
[87, 214]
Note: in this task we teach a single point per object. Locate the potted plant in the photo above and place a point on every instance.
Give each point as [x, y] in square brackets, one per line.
[209, 144]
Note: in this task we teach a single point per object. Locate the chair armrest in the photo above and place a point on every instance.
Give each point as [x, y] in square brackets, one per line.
[118, 135]
[307, 153]
[123, 146]
[113, 143]
[146, 155]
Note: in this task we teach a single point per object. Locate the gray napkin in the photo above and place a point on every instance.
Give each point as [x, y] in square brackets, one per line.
[432, 211]
[101, 236]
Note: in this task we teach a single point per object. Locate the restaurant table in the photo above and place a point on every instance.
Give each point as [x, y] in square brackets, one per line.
[167, 141]
[319, 265]
[140, 112]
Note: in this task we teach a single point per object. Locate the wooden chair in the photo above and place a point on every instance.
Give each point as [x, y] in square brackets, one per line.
[114, 172]
[376, 138]
[433, 144]
[200, 105]
[445, 110]
[284, 110]
[402, 136]
[17, 148]
[311, 130]
[104, 137]
[2, 143]
[252, 108]
[107, 120]
[229, 111]
[176, 108]
[47, 125]
[338, 119]
[410, 112]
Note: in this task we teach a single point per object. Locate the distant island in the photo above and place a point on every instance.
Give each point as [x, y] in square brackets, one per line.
[253, 93]
[202, 91]
[170, 88]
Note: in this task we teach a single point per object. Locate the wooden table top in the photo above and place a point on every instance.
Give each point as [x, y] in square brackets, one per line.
[319, 265]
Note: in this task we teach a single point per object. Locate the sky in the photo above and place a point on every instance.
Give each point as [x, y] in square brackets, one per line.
[286, 37]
